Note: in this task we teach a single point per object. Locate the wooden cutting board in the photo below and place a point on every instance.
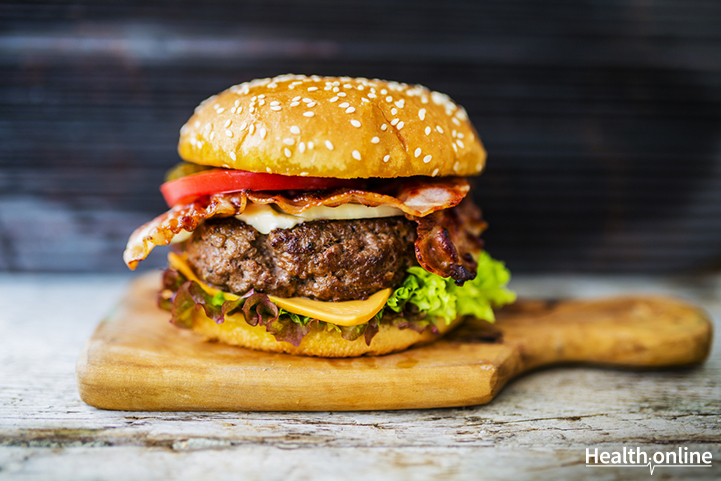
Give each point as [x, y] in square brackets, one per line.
[137, 360]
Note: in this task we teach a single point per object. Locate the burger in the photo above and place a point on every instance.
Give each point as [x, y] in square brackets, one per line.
[324, 216]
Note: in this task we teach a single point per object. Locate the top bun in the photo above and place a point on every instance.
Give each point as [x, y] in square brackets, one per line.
[333, 127]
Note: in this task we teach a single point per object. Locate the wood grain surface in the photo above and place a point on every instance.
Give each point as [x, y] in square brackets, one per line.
[136, 360]
[537, 428]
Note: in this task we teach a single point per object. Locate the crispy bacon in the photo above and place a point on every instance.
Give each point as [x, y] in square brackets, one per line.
[418, 198]
[447, 239]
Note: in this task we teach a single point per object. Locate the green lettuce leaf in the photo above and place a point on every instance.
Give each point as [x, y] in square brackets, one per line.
[438, 297]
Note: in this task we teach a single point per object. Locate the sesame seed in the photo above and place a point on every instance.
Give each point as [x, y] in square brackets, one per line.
[312, 89]
[251, 129]
[212, 135]
[267, 169]
[428, 131]
[400, 125]
[371, 95]
[335, 89]
[360, 87]
[350, 110]
[232, 155]
[455, 121]
[386, 158]
[384, 91]
[276, 108]
[208, 126]
[294, 104]
[310, 145]
[400, 103]
[263, 132]
[457, 166]
[197, 124]
[363, 99]
[427, 158]
[301, 147]
[216, 106]
[439, 129]
[261, 96]
[460, 135]
[294, 130]
[275, 102]
[237, 102]
[394, 111]
[342, 94]
[329, 145]
[295, 99]
[334, 99]
[307, 100]
[312, 104]
[347, 86]
[375, 140]
[355, 123]
[356, 155]
[288, 141]
[418, 152]
[424, 100]
[384, 127]
[394, 121]
[303, 174]
[243, 126]
[435, 173]
[460, 143]
[232, 111]
[228, 132]
[239, 110]
[422, 114]
[389, 99]
[287, 152]
[227, 123]
[261, 102]
[308, 114]
[343, 105]
[454, 147]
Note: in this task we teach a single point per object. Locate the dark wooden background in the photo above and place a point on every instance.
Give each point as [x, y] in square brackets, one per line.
[602, 118]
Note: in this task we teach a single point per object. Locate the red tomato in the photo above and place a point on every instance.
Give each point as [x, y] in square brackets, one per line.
[219, 181]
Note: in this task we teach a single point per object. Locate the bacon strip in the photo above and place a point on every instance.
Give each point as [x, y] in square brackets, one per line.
[416, 197]
[448, 239]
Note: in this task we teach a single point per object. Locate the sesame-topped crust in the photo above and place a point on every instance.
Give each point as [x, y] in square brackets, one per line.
[333, 127]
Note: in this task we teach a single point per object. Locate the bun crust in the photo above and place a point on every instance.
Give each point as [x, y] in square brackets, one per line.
[327, 343]
[333, 127]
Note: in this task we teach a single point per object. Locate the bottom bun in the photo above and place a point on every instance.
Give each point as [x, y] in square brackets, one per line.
[322, 343]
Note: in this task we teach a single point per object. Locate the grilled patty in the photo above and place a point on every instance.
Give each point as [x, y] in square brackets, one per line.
[328, 260]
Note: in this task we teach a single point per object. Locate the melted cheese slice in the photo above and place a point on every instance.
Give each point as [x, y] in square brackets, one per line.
[346, 313]
[264, 218]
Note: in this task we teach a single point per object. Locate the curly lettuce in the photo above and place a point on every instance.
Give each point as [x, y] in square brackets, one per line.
[440, 297]
[416, 304]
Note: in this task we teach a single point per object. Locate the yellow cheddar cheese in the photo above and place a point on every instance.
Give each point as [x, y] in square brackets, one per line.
[346, 313]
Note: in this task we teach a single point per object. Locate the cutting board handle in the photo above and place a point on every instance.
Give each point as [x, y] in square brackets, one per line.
[622, 331]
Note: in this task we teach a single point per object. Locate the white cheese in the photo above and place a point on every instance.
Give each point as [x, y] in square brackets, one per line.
[264, 218]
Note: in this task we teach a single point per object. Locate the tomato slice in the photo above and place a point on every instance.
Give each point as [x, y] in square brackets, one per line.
[220, 181]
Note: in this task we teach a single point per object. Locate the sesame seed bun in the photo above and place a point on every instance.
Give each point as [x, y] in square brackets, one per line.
[333, 127]
[322, 343]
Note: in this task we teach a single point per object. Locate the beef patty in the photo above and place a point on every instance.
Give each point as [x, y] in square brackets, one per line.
[328, 260]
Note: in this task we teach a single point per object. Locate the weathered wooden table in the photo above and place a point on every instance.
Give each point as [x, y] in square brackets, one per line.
[539, 427]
